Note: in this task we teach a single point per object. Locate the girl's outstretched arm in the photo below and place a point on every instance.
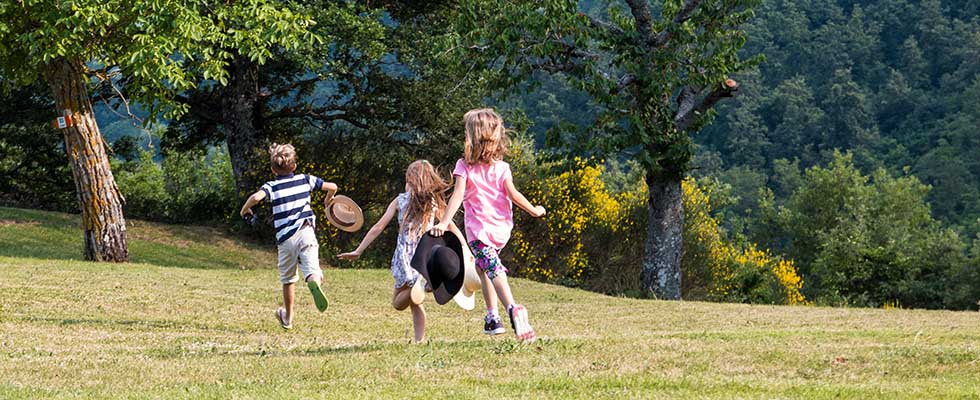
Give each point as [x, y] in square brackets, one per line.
[373, 233]
[454, 202]
[521, 201]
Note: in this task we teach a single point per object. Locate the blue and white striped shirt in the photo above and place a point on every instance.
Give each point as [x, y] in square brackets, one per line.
[290, 197]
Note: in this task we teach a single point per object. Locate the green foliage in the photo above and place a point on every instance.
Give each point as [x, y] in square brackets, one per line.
[718, 269]
[33, 171]
[159, 47]
[866, 240]
[190, 187]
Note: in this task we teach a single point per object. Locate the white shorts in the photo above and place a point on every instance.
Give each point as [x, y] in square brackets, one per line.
[300, 250]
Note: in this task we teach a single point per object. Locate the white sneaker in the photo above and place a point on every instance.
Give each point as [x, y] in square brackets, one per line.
[522, 328]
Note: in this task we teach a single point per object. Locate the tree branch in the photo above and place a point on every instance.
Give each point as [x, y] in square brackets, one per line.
[641, 16]
[323, 114]
[609, 28]
[685, 119]
[286, 89]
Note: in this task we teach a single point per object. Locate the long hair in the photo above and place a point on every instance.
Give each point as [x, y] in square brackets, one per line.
[486, 138]
[426, 196]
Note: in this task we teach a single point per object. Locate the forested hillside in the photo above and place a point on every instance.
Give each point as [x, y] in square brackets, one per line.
[896, 82]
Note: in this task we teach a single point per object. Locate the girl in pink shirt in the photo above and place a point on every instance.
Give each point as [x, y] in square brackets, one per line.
[485, 188]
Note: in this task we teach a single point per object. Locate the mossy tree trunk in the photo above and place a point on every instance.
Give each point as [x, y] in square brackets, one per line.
[98, 196]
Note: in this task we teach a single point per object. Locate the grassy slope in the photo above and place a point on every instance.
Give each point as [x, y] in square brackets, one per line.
[188, 321]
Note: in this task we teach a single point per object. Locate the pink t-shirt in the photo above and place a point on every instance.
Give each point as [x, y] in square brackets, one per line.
[489, 216]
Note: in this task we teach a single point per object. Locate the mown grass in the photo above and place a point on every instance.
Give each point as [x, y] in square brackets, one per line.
[188, 327]
[48, 235]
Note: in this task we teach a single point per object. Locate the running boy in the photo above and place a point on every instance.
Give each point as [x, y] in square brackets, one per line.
[294, 222]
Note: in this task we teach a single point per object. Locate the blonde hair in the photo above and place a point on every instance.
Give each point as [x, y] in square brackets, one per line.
[486, 138]
[426, 197]
[283, 158]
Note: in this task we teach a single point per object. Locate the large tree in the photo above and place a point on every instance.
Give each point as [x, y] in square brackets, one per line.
[160, 46]
[655, 72]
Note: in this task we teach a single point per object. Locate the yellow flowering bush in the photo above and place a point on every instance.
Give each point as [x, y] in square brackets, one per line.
[719, 271]
[593, 236]
[581, 213]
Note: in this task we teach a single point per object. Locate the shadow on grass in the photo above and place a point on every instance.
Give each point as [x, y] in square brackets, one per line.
[57, 236]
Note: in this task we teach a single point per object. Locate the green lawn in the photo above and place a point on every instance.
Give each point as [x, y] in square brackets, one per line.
[192, 317]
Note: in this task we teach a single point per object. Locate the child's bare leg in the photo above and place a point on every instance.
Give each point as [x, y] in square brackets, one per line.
[418, 322]
[401, 298]
[288, 294]
[502, 288]
[489, 293]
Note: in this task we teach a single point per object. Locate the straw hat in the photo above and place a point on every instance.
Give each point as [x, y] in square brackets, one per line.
[344, 213]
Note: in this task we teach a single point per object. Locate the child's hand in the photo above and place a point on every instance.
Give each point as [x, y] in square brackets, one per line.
[539, 212]
[439, 229]
[245, 212]
[350, 256]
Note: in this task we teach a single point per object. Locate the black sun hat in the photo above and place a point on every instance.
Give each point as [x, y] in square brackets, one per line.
[440, 261]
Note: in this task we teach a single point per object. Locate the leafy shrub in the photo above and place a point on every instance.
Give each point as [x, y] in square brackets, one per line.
[867, 240]
[186, 187]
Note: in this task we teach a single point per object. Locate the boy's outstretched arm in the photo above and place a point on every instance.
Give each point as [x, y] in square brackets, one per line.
[331, 189]
[521, 201]
[252, 200]
[373, 233]
[454, 202]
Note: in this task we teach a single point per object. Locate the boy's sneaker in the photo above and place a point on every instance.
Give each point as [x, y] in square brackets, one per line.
[318, 297]
[518, 321]
[492, 325]
[281, 317]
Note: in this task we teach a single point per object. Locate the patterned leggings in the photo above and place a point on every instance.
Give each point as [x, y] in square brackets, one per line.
[487, 259]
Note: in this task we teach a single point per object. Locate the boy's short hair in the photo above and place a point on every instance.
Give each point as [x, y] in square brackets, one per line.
[283, 158]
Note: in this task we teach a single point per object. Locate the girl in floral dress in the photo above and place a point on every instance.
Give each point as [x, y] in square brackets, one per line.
[417, 209]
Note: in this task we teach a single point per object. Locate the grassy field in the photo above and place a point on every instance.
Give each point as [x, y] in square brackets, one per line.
[192, 317]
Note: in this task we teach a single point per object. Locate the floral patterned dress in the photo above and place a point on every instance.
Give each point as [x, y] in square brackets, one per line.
[401, 261]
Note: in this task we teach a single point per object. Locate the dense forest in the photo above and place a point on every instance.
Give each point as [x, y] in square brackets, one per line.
[894, 82]
[850, 155]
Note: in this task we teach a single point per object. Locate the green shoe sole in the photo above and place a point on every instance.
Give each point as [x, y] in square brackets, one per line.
[318, 297]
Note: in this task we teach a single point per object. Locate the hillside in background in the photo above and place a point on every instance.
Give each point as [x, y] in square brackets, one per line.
[894, 81]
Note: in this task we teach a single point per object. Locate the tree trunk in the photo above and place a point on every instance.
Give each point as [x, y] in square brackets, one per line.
[239, 119]
[98, 195]
[662, 253]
